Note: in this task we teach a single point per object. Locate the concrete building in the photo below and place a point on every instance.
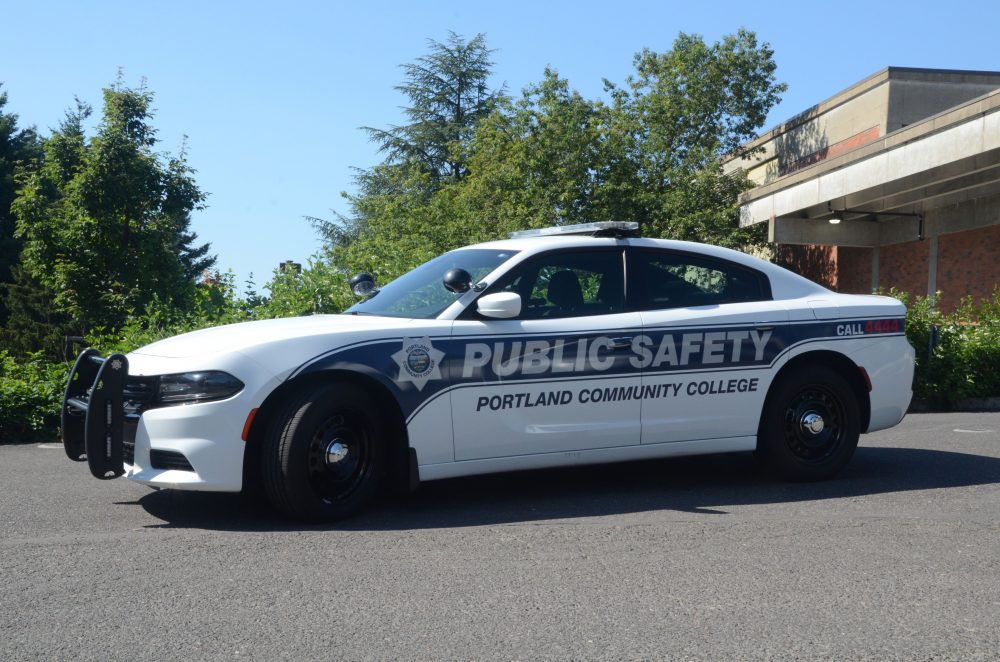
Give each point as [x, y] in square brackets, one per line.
[893, 182]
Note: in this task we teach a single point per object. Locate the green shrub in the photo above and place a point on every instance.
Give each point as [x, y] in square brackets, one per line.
[957, 353]
[214, 304]
[982, 349]
[31, 394]
[31, 388]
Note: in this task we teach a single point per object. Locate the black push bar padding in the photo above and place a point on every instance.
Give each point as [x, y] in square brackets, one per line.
[81, 379]
[93, 413]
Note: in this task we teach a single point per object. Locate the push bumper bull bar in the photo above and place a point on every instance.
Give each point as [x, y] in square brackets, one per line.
[93, 413]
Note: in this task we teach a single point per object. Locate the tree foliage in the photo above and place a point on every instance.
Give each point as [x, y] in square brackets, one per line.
[105, 220]
[18, 148]
[649, 151]
[536, 163]
[34, 324]
[671, 123]
[448, 93]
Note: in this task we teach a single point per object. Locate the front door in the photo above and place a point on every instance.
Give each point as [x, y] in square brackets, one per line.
[560, 377]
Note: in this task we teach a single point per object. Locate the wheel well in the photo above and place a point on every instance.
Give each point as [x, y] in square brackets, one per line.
[271, 407]
[847, 368]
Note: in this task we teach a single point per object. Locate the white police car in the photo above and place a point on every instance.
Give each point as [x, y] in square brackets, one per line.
[570, 345]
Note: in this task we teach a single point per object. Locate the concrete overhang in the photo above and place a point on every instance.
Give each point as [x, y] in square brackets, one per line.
[949, 159]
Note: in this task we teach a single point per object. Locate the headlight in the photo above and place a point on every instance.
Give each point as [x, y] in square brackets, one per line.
[189, 387]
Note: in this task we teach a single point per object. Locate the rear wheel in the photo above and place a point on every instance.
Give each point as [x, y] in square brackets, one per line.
[324, 457]
[811, 424]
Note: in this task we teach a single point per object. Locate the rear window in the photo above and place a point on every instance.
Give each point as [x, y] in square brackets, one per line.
[684, 280]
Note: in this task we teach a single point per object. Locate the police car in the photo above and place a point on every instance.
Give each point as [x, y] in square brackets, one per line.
[570, 345]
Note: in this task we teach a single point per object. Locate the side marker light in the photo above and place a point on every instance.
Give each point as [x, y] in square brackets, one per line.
[246, 426]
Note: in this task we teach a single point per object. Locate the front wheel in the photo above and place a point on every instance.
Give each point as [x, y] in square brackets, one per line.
[324, 456]
[811, 424]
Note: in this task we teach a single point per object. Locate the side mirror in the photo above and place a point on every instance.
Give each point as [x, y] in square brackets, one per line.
[363, 284]
[457, 280]
[501, 305]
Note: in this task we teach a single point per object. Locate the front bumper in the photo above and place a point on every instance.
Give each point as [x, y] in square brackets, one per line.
[196, 446]
[207, 435]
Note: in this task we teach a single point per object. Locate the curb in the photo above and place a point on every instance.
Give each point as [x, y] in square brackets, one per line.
[968, 405]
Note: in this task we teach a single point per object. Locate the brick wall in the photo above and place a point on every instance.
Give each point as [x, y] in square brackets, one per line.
[841, 268]
[854, 270]
[968, 263]
[904, 266]
[817, 263]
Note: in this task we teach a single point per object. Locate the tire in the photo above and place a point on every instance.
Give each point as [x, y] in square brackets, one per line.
[324, 456]
[810, 425]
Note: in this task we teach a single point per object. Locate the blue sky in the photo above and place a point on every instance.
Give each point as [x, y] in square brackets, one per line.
[271, 95]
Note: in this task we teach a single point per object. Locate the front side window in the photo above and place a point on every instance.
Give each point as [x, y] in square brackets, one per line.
[420, 293]
[682, 280]
[568, 284]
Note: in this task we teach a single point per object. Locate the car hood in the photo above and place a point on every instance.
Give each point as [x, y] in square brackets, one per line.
[247, 335]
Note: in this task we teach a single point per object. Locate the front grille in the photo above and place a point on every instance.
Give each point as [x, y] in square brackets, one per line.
[128, 441]
[161, 459]
[138, 395]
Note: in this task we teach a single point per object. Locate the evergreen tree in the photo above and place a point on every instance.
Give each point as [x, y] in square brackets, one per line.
[449, 94]
[17, 147]
[180, 191]
[650, 153]
[34, 323]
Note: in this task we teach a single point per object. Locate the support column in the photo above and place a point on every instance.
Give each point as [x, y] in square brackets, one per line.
[932, 266]
[875, 251]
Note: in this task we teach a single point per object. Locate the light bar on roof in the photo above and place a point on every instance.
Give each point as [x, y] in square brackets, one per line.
[611, 228]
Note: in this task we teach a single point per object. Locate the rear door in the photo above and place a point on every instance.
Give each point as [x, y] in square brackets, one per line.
[710, 333]
[555, 378]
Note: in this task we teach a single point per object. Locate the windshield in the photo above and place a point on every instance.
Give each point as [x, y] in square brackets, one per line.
[420, 293]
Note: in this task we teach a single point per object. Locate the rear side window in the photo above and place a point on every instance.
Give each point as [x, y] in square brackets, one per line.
[681, 280]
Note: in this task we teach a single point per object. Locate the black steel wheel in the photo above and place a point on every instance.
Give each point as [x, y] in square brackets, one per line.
[810, 424]
[340, 456]
[324, 457]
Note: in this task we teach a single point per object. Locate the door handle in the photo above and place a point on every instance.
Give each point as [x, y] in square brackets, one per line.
[622, 342]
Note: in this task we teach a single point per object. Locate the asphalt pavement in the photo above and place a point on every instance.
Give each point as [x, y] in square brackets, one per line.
[690, 558]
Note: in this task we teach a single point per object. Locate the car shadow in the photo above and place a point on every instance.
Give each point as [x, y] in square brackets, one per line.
[701, 485]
